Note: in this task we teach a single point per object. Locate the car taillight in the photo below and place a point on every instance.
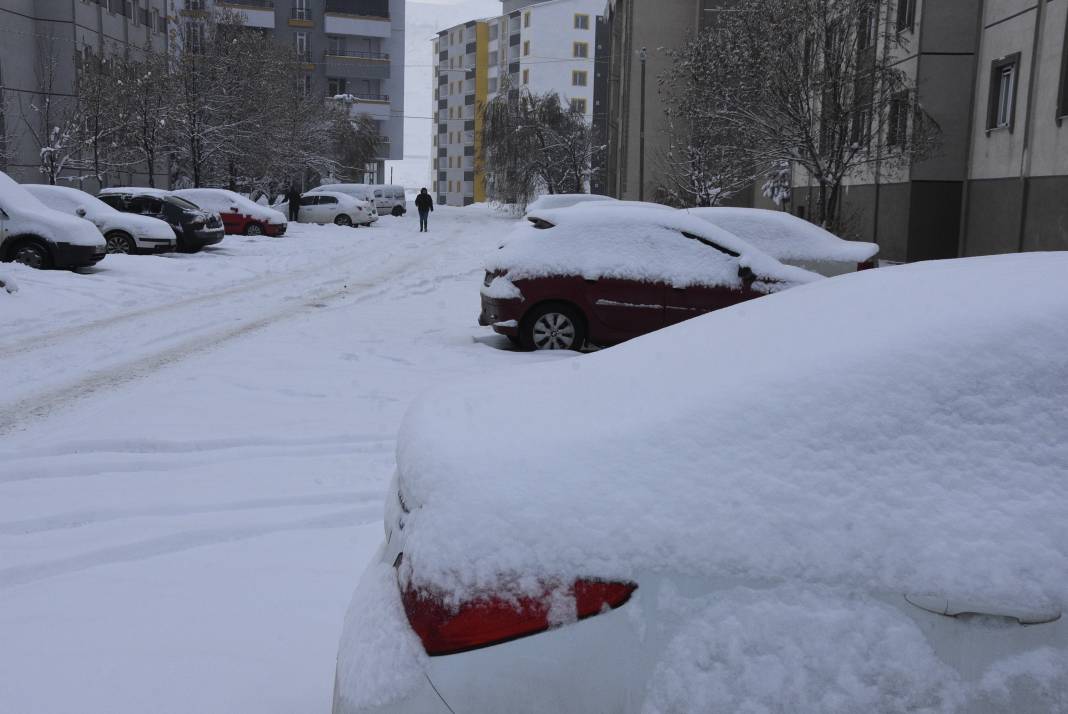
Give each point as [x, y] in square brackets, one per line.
[491, 620]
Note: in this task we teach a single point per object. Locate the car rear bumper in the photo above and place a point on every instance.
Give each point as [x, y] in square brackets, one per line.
[65, 255]
[197, 239]
[274, 230]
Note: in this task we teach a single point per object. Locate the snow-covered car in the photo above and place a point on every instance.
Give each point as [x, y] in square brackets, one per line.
[194, 227]
[387, 200]
[601, 275]
[792, 240]
[338, 208]
[847, 497]
[40, 237]
[123, 232]
[240, 215]
[564, 200]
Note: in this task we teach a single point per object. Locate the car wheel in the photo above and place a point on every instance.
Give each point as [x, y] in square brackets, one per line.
[118, 242]
[553, 327]
[254, 229]
[397, 211]
[32, 254]
[343, 220]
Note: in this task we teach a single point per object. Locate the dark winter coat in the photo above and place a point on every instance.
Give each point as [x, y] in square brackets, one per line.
[424, 203]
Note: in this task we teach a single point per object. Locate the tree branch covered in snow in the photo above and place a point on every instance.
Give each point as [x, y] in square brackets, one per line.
[815, 84]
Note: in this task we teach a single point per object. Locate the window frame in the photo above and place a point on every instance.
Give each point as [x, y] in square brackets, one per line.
[582, 74]
[994, 100]
[580, 18]
[1062, 90]
[578, 102]
[585, 50]
[906, 21]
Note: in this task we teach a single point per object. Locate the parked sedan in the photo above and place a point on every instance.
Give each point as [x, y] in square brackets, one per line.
[240, 216]
[40, 237]
[124, 232]
[848, 497]
[194, 227]
[607, 274]
[337, 208]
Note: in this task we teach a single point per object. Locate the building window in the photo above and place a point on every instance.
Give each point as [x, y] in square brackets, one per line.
[860, 128]
[306, 89]
[492, 88]
[578, 105]
[194, 35]
[526, 76]
[897, 125]
[335, 86]
[582, 22]
[300, 10]
[906, 15]
[1062, 97]
[580, 49]
[579, 78]
[526, 47]
[526, 19]
[191, 4]
[866, 30]
[494, 31]
[1001, 111]
[335, 45]
[300, 40]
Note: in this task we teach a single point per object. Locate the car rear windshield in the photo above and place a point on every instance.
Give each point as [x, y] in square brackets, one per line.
[182, 203]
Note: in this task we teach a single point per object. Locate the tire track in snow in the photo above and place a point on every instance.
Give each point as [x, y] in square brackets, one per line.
[43, 404]
[176, 543]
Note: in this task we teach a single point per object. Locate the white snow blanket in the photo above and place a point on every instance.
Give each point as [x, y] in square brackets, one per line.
[786, 236]
[563, 200]
[899, 430]
[635, 243]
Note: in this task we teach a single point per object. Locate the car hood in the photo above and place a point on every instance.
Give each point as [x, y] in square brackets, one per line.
[55, 226]
[898, 430]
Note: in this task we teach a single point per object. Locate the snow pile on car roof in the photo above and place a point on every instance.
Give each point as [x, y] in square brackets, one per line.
[898, 430]
[27, 215]
[563, 200]
[785, 236]
[633, 243]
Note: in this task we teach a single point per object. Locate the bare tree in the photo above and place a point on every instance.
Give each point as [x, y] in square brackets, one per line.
[51, 116]
[804, 82]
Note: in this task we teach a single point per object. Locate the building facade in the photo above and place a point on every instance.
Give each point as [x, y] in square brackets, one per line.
[41, 44]
[540, 47]
[348, 47]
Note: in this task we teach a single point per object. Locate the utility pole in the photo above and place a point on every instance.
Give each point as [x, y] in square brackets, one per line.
[641, 132]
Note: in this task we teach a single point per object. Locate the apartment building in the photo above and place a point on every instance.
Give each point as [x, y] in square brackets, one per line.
[348, 47]
[41, 43]
[541, 47]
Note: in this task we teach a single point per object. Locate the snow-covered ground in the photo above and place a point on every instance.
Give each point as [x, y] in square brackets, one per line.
[194, 450]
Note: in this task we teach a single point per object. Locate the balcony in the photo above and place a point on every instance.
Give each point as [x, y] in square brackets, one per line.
[359, 8]
[369, 18]
[256, 13]
[300, 17]
[356, 64]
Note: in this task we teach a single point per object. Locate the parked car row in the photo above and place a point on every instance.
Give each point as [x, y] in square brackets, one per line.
[603, 271]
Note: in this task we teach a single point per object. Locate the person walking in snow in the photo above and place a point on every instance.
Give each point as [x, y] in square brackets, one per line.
[424, 204]
[293, 196]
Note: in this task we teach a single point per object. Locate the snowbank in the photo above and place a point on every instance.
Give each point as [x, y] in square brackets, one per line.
[635, 243]
[8, 284]
[563, 200]
[899, 430]
[785, 236]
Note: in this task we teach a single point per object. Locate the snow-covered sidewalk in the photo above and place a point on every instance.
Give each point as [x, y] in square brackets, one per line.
[193, 452]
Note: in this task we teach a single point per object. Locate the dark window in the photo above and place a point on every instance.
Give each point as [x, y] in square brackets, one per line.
[860, 128]
[146, 205]
[307, 200]
[1004, 78]
[1062, 97]
[866, 30]
[335, 86]
[897, 124]
[327, 200]
[906, 14]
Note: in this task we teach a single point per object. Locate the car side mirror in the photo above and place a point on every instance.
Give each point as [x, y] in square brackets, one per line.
[80, 211]
[747, 275]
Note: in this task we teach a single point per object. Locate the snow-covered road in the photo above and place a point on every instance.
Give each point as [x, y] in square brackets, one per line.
[193, 452]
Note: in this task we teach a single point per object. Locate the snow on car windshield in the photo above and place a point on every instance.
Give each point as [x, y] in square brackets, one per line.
[784, 236]
[909, 439]
[563, 200]
[633, 243]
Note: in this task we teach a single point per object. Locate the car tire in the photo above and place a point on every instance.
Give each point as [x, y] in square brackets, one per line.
[31, 253]
[553, 326]
[397, 211]
[342, 220]
[253, 229]
[119, 242]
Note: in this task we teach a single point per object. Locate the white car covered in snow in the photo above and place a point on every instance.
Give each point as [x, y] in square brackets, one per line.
[792, 240]
[124, 232]
[337, 208]
[240, 215]
[564, 200]
[845, 497]
[386, 200]
[40, 237]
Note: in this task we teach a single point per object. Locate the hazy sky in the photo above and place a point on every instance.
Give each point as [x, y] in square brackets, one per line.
[423, 20]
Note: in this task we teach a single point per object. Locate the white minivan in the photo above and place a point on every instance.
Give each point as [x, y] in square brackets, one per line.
[386, 199]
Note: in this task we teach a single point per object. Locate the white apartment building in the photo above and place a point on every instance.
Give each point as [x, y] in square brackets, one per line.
[541, 47]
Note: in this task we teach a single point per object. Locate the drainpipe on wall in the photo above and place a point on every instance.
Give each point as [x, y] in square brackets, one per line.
[1025, 156]
[965, 200]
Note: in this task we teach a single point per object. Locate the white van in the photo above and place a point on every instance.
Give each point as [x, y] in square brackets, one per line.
[386, 199]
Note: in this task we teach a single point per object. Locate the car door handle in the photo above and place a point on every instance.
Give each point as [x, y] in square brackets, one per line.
[955, 607]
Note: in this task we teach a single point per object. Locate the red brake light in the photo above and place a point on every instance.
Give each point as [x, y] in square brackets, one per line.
[491, 620]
